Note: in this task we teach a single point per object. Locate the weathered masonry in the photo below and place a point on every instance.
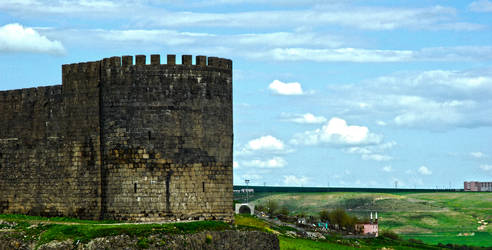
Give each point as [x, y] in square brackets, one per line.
[124, 141]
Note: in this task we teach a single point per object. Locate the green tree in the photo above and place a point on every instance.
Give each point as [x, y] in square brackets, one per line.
[284, 211]
[339, 216]
[301, 214]
[260, 207]
[271, 207]
[324, 215]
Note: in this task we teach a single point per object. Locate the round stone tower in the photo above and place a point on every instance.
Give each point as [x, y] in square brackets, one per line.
[166, 136]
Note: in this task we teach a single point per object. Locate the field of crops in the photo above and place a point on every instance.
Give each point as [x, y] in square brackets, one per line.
[452, 217]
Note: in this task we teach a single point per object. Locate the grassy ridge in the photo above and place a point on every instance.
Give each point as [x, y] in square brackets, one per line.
[44, 230]
[85, 233]
[431, 217]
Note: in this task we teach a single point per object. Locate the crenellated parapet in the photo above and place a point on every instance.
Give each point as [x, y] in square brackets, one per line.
[155, 59]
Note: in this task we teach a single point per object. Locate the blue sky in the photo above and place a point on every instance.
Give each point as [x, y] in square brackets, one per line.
[338, 93]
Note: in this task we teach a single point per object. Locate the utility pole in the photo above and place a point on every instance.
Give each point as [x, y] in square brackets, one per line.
[247, 190]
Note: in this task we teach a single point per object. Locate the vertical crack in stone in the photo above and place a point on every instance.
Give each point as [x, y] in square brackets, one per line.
[168, 192]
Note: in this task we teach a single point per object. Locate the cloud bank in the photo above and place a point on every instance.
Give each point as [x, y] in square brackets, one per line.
[275, 162]
[16, 38]
[307, 118]
[337, 132]
[282, 88]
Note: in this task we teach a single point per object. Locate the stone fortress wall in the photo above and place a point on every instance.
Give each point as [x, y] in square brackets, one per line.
[121, 140]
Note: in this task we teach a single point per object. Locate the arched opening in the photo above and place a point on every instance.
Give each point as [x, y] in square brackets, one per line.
[244, 210]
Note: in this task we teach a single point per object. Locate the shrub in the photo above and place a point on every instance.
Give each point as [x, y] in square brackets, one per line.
[324, 215]
[208, 239]
[271, 207]
[389, 234]
[301, 214]
[415, 241]
[284, 211]
[143, 243]
[260, 207]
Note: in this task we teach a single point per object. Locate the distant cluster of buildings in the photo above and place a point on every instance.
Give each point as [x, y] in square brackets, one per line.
[244, 190]
[478, 186]
[370, 228]
[367, 229]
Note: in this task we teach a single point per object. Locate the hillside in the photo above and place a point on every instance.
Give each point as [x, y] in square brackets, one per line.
[445, 217]
[29, 232]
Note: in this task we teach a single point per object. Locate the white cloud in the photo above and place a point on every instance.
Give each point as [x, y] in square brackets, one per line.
[366, 18]
[16, 38]
[63, 7]
[235, 165]
[307, 118]
[376, 157]
[164, 37]
[159, 14]
[387, 169]
[281, 46]
[381, 123]
[359, 150]
[337, 55]
[432, 100]
[285, 39]
[481, 6]
[226, 44]
[275, 162]
[173, 37]
[424, 111]
[264, 145]
[267, 142]
[368, 152]
[281, 88]
[361, 55]
[456, 83]
[337, 132]
[486, 167]
[423, 170]
[292, 180]
[477, 155]
[384, 146]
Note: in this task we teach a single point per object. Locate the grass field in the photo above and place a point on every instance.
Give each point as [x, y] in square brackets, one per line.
[291, 244]
[431, 217]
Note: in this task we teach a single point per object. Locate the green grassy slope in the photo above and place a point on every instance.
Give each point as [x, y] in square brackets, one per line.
[431, 217]
[43, 230]
[331, 242]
